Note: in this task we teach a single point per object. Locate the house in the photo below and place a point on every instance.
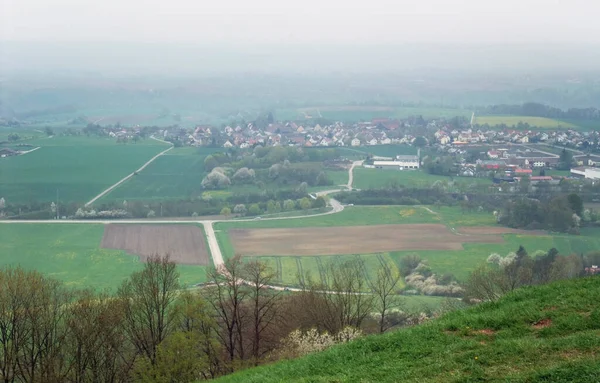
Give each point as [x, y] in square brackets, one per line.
[519, 171]
[228, 144]
[355, 142]
[491, 164]
[372, 141]
[386, 141]
[493, 154]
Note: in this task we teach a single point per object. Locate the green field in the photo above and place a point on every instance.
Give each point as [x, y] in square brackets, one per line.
[458, 262]
[72, 254]
[177, 174]
[78, 167]
[537, 334]
[512, 121]
[365, 178]
[367, 113]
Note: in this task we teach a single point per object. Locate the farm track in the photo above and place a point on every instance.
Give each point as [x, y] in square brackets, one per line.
[113, 187]
[213, 245]
[279, 270]
[322, 271]
[300, 270]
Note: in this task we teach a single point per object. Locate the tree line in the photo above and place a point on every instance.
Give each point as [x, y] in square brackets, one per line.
[501, 275]
[152, 330]
[534, 109]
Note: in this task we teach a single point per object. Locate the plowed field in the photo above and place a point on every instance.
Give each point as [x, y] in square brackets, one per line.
[351, 240]
[184, 244]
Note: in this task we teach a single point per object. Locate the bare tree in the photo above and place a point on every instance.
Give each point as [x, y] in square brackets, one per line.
[265, 304]
[146, 297]
[227, 297]
[384, 288]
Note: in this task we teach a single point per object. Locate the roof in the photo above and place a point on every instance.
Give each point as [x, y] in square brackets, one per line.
[412, 157]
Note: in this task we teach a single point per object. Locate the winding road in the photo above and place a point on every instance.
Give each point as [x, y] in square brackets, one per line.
[213, 243]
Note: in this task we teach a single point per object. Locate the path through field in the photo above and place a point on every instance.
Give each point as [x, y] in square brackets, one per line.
[105, 192]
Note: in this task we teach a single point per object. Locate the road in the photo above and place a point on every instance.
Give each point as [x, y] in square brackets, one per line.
[351, 173]
[105, 192]
[212, 242]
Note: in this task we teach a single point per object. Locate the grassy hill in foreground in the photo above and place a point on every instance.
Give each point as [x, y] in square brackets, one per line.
[539, 334]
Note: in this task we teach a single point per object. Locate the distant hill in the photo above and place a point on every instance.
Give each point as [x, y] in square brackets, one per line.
[539, 334]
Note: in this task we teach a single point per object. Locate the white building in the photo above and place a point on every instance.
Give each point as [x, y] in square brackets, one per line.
[587, 173]
[400, 163]
[355, 142]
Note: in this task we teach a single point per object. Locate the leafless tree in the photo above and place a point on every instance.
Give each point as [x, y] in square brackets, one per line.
[147, 297]
[384, 288]
[227, 296]
[265, 305]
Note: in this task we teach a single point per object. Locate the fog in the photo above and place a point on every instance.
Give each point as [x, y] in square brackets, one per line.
[328, 36]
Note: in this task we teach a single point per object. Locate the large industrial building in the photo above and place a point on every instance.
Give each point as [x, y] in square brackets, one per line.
[587, 173]
[403, 162]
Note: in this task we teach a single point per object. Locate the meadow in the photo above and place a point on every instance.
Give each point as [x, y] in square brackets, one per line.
[72, 254]
[77, 167]
[365, 178]
[513, 121]
[457, 262]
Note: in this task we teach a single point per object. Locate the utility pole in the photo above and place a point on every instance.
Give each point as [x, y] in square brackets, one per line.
[57, 215]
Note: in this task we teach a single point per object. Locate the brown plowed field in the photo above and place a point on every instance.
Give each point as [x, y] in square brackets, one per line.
[351, 240]
[184, 244]
[495, 230]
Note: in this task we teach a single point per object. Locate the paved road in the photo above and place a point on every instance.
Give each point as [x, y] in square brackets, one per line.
[105, 192]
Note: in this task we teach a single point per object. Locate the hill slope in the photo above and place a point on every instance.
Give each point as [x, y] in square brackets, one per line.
[549, 333]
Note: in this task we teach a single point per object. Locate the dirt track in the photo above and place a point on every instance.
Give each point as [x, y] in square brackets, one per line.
[185, 244]
[351, 240]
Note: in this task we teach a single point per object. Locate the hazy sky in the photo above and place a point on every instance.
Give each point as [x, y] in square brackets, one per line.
[302, 21]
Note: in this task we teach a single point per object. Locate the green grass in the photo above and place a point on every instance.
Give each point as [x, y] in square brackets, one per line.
[365, 178]
[78, 167]
[367, 113]
[450, 349]
[72, 254]
[177, 174]
[512, 121]
[462, 262]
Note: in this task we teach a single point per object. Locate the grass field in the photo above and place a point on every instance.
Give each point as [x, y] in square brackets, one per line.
[177, 174]
[72, 253]
[458, 262]
[539, 334]
[512, 121]
[367, 113]
[365, 178]
[78, 167]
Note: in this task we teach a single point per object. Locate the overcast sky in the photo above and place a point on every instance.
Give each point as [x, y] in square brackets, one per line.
[305, 21]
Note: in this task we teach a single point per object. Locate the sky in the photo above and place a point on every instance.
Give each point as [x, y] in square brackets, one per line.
[301, 21]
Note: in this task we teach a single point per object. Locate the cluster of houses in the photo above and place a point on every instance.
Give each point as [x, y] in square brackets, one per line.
[572, 138]
[376, 132]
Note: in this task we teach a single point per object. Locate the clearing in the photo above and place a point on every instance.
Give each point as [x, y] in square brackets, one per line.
[351, 240]
[183, 243]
